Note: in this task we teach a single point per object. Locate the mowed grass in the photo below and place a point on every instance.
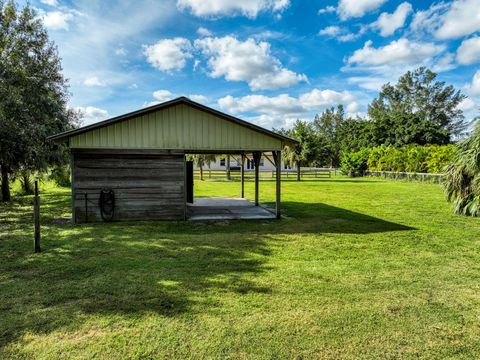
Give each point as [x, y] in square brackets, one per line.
[360, 268]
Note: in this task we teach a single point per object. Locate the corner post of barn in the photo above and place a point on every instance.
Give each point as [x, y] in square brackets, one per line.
[277, 157]
[256, 159]
[242, 174]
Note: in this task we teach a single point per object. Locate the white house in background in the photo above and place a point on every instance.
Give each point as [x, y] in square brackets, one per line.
[220, 163]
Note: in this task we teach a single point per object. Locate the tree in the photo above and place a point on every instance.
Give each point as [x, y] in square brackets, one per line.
[355, 134]
[326, 127]
[416, 110]
[201, 160]
[307, 151]
[33, 95]
[462, 182]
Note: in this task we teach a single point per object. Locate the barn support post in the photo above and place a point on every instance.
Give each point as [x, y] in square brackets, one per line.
[242, 174]
[256, 160]
[277, 157]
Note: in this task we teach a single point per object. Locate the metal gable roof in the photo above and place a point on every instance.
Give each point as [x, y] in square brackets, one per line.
[168, 104]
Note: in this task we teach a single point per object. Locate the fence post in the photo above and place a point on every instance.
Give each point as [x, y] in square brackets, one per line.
[36, 217]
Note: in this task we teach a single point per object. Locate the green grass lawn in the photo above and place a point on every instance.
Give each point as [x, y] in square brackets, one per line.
[362, 268]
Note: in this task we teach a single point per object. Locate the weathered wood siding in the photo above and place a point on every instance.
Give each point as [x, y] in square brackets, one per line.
[147, 186]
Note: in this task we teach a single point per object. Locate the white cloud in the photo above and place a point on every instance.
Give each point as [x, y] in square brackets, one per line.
[168, 54]
[343, 34]
[57, 20]
[201, 31]
[216, 8]
[467, 104]
[372, 83]
[331, 31]
[285, 104]
[469, 51]
[389, 23]
[198, 98]
[474, 87]
[121, 51]
[398, 52]
[248, 60]
[94, 81]
[444, 63]
[49, 2]
[284, 109]
[162, 95]
[90, 114]
[357, 8]
[326, 10]
[449, 20]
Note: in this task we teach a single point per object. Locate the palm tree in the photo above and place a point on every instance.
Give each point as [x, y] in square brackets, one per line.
[201, 160]
[462, 182]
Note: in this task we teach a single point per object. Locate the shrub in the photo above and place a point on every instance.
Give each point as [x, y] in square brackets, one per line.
[462, 181]
[61, 175]
[354, 164]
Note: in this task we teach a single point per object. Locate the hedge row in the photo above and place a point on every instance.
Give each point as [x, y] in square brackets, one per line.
[411, 158]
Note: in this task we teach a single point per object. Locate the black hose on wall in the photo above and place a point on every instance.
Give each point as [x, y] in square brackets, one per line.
[107, 204]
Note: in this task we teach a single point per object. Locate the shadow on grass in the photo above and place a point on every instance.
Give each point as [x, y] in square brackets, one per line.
[168, 268]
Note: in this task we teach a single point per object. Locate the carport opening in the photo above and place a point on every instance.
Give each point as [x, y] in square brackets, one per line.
[240, 208]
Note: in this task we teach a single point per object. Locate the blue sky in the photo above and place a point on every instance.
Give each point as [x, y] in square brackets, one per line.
[267, 61]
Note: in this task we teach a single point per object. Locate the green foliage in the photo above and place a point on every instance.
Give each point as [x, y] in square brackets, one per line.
[416, 110]
[411, 158]
[354, 164]
[307, 152]
[33, 94]
[326, 126]
[462, 183]
[61, 174]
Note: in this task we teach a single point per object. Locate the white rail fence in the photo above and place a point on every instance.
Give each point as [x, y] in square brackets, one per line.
[411, 176]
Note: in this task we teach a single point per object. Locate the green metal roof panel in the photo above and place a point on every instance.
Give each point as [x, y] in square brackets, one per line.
[178, 127]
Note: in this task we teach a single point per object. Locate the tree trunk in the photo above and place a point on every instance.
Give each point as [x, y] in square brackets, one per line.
[5, 184]
[201, 173]
[298, 170]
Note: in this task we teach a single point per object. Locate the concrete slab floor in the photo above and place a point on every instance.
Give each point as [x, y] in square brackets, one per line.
[226, 209]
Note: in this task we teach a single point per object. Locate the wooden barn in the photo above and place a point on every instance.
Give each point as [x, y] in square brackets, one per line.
[133, 167]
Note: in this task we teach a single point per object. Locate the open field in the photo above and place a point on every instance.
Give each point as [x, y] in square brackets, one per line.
[367, 268]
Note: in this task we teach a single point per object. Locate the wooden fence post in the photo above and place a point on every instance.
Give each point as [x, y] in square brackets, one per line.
[36, 216]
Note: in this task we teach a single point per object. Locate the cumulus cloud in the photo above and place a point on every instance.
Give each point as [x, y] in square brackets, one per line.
[331, 31]
[469, 51]
[284, 109]
[343, 34]
[326, 10]
[169, 54]
[285, 104]
[162, 95]
[57, 20]
[248, 60]
[357, 8]
[398, 52]
[389, 23]
[90, 114]
[467, 104]
[448, 20]
[49, 2]
[198, 98]
[474, 87]
[201, 31]
[216, 8]
[94, 81]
